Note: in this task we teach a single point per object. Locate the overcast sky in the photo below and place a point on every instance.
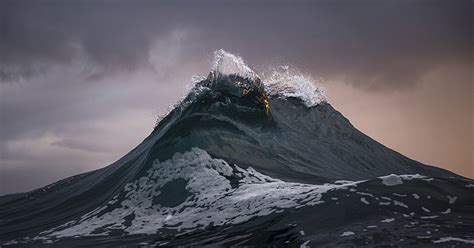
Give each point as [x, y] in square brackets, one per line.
[82, 82]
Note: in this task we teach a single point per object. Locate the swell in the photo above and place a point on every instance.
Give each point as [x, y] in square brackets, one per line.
[225, 197]
[290, 142]
[296, 140]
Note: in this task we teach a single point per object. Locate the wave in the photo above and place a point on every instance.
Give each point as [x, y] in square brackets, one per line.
[246, 160]
[287, 83]
[193, 190]
[227, 64]
[281, 82]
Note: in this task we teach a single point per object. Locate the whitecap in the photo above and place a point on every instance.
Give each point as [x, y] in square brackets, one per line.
[225, 64]
[387, 220]
[287, 83]
[448, 239]
[391, 180]
[212, 199]
[349, 233]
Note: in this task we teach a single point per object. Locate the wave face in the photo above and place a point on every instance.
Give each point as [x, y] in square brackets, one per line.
[245, 160]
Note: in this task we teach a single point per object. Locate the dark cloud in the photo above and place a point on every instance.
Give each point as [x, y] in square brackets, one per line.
[372, 44]
[113, 36]
[81, 82]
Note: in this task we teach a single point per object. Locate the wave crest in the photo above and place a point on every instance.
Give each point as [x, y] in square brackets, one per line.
[284, 82]
[226, 64]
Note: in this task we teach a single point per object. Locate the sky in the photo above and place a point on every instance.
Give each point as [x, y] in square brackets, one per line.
[83, 82]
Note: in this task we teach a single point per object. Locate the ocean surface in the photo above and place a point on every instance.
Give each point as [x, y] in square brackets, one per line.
[249, 160]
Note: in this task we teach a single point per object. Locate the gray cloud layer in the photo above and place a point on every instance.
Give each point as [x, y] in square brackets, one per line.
[81, 82]
[376, 44]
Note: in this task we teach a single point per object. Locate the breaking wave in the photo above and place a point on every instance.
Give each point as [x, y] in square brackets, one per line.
[281, 82]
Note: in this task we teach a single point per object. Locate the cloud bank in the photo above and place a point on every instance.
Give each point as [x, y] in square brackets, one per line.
[81, 82]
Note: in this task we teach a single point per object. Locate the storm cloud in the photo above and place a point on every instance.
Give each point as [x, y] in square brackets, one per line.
[371, 44]
[82, 82]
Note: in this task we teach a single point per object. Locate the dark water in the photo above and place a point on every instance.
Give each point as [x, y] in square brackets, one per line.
[221, 169]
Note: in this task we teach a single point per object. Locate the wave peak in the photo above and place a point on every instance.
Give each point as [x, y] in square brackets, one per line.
[284, 82]
[226, 64]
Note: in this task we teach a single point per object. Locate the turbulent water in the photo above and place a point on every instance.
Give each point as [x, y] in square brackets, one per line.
[249, 161]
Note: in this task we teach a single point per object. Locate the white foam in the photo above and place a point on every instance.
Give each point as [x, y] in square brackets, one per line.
[213, 199]
[391, 180]
[363, 200]
[397, 203]
[349, 233]
[423, 237]
[452, 199]
[429, 217]
[229, 64]
[412, 176]
[305, 244]
[448, 211]
[283, 82]
[425, 209]
[449, 239]
[364, 193]
[343, 182]
[400, 195]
